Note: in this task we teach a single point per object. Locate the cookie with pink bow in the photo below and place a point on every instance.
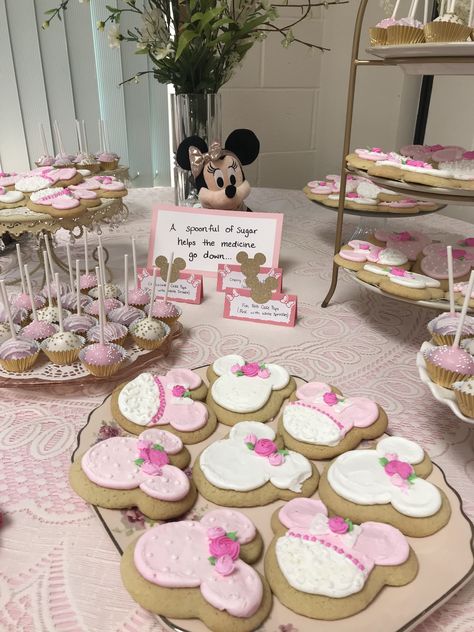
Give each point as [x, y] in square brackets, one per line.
[240, 390]
[328, 567]
[403, 283]
[433, 262]
[411, 243]
[105, 186]
[11, 199]
[363, 158]
[320, 422]
[145, 472]
[170, 402]
[201, 570]
[356, 253]
[386, 484]
[251, 467]
[57, 202]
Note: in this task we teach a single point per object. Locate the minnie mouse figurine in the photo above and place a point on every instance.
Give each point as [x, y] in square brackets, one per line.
[217, 170]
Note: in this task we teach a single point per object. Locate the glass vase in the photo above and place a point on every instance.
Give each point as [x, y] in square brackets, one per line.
[193, 115]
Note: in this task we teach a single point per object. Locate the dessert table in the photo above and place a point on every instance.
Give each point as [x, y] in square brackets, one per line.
[58, 568]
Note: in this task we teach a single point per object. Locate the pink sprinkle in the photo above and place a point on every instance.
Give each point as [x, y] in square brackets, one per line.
[313, 538]
[340, 550]
[355, 561]
[306, 537]
[328, 544]
[349, 556]
[334, 546]
[362, 567]
[298, 535]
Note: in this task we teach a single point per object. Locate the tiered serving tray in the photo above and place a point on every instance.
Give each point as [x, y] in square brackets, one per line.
[394, 609]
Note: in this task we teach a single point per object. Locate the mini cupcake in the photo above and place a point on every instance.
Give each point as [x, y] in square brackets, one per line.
[446, 365]
[405, 31]
[108, 161]
[138, 297]
[148, 333]
[19, 355]
[113, 332]
[125, 315]
[64, 161]
[378, 33]
[87, 161]
[443, 328]
[447, 28]
[464, 393]
[165, 311]
[63, 347]
[51, 314]
[87, 282]
[110, 291]
[39, 330]
[79, 324]
[103, 360]
[45, 161]
[93, 308]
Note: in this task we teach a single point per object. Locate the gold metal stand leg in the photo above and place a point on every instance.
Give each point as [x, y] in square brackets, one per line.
[346, 146]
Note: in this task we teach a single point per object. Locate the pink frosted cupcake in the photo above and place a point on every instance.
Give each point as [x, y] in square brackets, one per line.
[138, 297]
[18, 356]
[87, 282]
[103, 360]
[79, 324]
[39, 330]
[108, 160]
[165, 311]
[113, 332]
[446, 365]
[109, 304]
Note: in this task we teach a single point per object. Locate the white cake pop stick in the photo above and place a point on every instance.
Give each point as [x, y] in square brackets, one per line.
[30, 292]
[69, 265]
[101, 141]
[50, 258]
[7, 309]
[100, 298]
[125, 278]
[471, 14]
[105, 137]
[60, 309]
[395, 9]
[86, 253]
[79, 135]
[46, 273]
[441, 7]
[20, 266]
[413, 8]
[153, 291]
[78, 287]
[168, 276]
[84, 137]
[101, 262]
[449, 253]
[43, 139]
[465, 305]
[425, 12]
[59, 138]
[134, 257]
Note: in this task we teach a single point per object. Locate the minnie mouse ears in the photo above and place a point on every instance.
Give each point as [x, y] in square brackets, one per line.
[241, 142]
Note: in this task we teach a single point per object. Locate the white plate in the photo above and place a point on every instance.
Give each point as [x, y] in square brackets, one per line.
[441, 394]
[441, 305]
[440, 49]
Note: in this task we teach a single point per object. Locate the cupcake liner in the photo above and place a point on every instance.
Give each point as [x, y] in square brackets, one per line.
[151, 345]
[443, 377]
[446, 32]
[377, 36]
[465, 402]
[100, 370]
[446, 339]
[62, 357]
[399, 34]
[20, 365]
[109, 166]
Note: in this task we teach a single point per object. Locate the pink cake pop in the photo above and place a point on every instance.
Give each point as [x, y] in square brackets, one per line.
[79, 323]
[16, 354]
[88, 279]
[125, 315]
[136, 296]
[25, 300]
[37, 329]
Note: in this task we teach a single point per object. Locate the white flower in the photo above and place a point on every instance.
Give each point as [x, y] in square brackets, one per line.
[113, 36]
[161, 53]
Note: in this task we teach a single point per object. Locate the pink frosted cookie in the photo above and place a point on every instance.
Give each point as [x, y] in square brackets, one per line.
[330, 568]
[411, 243]
[169, 401]
[11, 199]
[8, 180]
[358, 252]
[249, 469]
[363, 158]
[200, 570]
[105, 186]
[144, 472]
[57, 202]
[321, 423]
[434, 263]
[386, 484]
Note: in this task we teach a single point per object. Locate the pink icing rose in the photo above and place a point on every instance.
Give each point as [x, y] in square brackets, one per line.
[250, 369]
[151, 454]
[377, 150]
[352, 195]
[276, 459]
[218, 547]
[264, 373]
[458, 253]
[330, 399]
[398, 481]
[265, 447]
[398, 272]
[215, 532]
[391, 456]
[403, 236]
[419, 163]
[338, 525]
[468, 155]
[224, 565]
[364, 247]
[151, 468]
[250, 438]
[469, 241]
[398, 467]
[235, 368]
[178, 390]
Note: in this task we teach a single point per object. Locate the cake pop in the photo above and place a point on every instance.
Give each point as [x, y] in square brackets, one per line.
[147, 332]
[17, 355]
[24, 300]
[126, 314]
[88, 279]
[79, 323]
[137, 297]
[36, 329]
[50, 313]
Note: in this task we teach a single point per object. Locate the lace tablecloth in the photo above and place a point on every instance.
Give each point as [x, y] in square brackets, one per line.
[59, 570]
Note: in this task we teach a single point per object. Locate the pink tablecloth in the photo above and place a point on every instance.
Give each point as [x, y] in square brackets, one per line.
[58, 569]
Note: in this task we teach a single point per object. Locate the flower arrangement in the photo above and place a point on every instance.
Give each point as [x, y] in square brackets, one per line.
[197, 44]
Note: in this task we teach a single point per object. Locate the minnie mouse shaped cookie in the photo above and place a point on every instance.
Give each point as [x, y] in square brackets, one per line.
[400, 282]
[321, 423]
[200, 570]
[144, 472]
[411, 243]
[250, 468]
[241, 390]
[166, 401]
[386, 484]
[433, 262]
[330, 568]
[217, 170]
[357, 253]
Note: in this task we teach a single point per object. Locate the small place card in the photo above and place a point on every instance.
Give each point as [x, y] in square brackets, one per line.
[230, 276]
[280, 309]
[187, 289]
